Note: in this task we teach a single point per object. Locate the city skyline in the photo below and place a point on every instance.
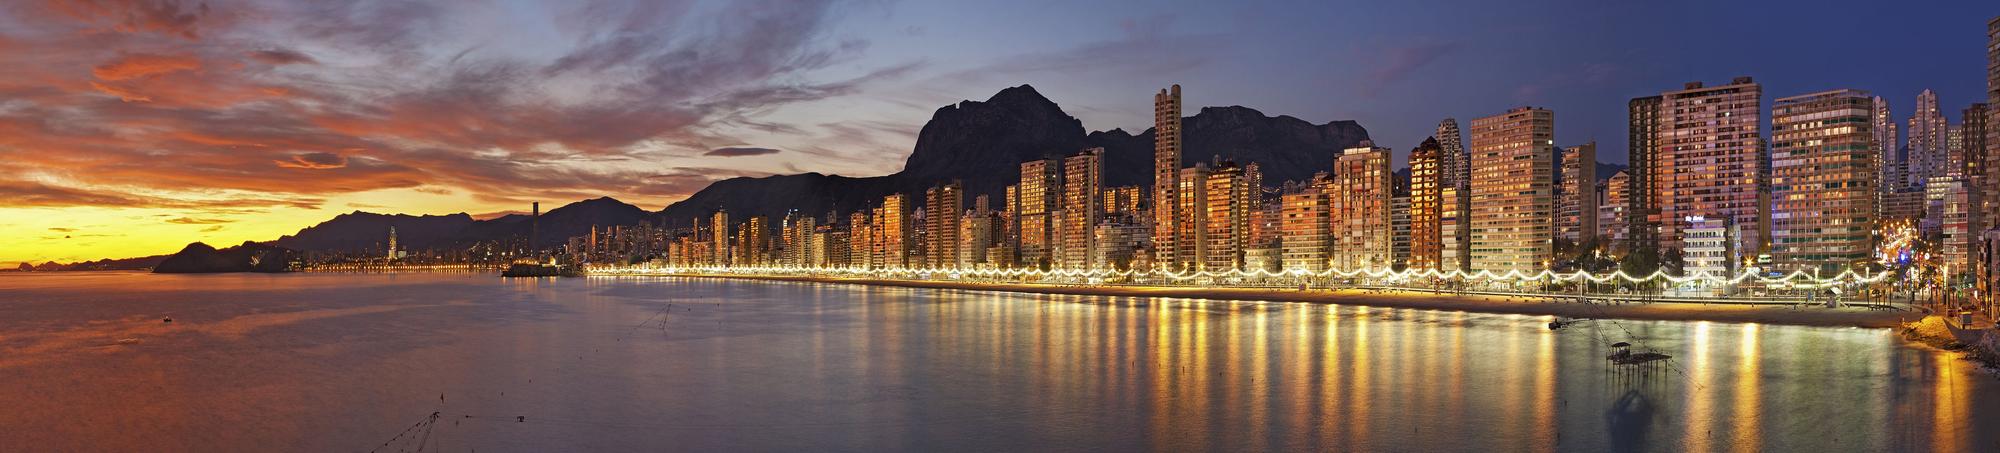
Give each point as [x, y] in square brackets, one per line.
[93, 202]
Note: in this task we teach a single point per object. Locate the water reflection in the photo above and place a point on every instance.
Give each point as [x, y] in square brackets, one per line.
[317, 362]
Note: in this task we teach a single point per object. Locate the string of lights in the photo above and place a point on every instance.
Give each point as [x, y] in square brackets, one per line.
[1797, 279]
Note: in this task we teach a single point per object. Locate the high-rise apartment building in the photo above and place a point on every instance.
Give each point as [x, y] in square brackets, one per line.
[860, 237]
[1082, 205]
[1304, 243]
[894, 233]
[1992, 124]
[1454, 165]
[1454, 230]
[1166, 178]
[1191, 216]
[1823, 180]
[1228, 208]
[1889, 165]
[1426, 191]
[1642, 213]
[1930, 154]
[1576, 203]
[944, 206]
[1362, 192]
[1979, 164]
[1040, 195]
[1124, 201]
[1513, 198]
[1710, 149]
[719, 233]
[1613, 199]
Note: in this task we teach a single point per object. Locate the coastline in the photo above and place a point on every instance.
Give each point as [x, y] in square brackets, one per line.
[1727, 313]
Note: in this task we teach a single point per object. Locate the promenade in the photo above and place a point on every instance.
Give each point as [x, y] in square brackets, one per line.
[1554, 305]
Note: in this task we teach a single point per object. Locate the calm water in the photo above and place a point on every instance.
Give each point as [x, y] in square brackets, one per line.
[346, 362]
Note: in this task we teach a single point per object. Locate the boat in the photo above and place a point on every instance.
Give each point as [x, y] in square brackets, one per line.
[532, 269]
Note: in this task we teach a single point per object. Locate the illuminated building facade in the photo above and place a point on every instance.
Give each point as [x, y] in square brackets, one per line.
[1823, 174]
[1192, 222]
[1305, 224]
[1576, 203]
[1427, 183]
[1513, 200]
[1082, 207]
[1167, 221]
[944, 206]
[1642, 213]
[1362, 235]
[1040, 196]
[1227, 207]
[1710, 167]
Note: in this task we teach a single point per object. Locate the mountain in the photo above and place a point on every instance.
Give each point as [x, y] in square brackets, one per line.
[365, 231]
[369, 232]
[199, 258]
[982, 144]
[1605, 170]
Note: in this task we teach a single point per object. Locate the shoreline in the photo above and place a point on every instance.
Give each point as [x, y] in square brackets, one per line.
[1728, 313]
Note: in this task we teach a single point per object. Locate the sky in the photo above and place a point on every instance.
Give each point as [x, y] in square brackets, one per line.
[132, 127]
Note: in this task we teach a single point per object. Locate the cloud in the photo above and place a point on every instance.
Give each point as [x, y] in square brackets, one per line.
[314, 161]
[739, 151]
[32, 194]
[195, 221]
[62, 230]
[1399, 62]
[167, 17]
[134, 66]
[281, 57]
[372, 95]
[212, 229]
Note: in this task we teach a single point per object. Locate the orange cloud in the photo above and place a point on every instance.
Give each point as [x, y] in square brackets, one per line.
[314, 161]
[134, 66]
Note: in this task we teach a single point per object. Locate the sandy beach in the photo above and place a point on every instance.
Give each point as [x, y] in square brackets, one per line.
[1731, 313]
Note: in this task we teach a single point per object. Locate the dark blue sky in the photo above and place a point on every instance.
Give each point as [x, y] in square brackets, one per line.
[1398, 67]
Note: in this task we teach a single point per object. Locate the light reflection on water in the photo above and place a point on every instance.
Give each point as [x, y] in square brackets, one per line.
[344, 362]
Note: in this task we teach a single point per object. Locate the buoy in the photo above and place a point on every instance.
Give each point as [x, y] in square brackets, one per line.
[167, 319]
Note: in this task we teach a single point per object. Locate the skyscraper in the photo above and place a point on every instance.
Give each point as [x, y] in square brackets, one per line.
[1823, 177]
[1228, 212]
[1082, 206]
[1992, 125]
[1710, 164]
[1305, 224]
[1360, 207]
[719, 233]
[1613, 200]
[1513, 199]
[1426, 192]
[1929, 153]
[1889, 165]
[1040, 195]
[943, 207]
[1191, 219]
[1979, 163]
[1642, 213]
[895, 231]
[1166, 177]
[1576, 204]
[1454, 165]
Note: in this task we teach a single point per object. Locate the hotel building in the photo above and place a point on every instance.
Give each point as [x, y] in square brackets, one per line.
[1710, 167]
[1362, 233]
[1513, 201]
[1823, 174]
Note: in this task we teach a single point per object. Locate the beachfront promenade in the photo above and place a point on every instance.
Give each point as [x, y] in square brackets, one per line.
[1576, 298]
